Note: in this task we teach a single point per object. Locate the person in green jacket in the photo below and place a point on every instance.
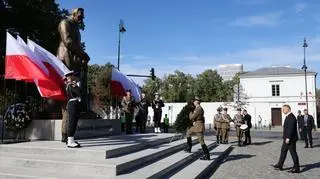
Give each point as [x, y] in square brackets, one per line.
[166, 123]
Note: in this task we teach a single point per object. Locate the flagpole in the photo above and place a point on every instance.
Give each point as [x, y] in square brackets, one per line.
[5, 95]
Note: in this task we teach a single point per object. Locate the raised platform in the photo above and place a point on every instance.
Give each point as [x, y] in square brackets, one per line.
[133, 156]
[50, 129]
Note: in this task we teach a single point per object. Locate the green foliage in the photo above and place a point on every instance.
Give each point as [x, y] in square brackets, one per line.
[150, 87]
[178, 87]
[183, 122]
[209, 86]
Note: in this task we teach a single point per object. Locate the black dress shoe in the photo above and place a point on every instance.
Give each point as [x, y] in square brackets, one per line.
[306, 146]
[278, 167]
[311, 146]
[294, 170]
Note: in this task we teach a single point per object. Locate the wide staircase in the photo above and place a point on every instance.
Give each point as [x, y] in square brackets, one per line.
[135, 156]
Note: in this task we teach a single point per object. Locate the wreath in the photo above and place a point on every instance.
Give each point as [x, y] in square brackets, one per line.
[16, 117]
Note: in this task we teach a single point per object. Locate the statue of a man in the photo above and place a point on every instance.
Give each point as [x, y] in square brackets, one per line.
[73, 56]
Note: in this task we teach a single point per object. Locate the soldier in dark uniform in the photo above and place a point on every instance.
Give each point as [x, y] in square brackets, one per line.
[73, 106]
[143, 112]
[157, 105]
[197, 118]
[238, 121]
[128, 105]
[217, 125]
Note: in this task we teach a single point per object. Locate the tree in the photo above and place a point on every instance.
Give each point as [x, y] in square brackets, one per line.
[36, 19]
[209, 86]
[150, 87]
[178, 87]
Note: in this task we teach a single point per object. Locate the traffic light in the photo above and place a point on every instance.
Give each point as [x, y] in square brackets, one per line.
[153, 77]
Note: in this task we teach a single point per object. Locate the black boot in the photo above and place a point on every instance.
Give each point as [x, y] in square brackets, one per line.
[218, 141]
[64, 138]
[221, 140]
[206, 154]
[249, 138]
[239, 143]
[189, 145]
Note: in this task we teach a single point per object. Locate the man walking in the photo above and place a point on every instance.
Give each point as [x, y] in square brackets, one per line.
[197, 118]
[290, 137]
[247, 120]
[306, 125]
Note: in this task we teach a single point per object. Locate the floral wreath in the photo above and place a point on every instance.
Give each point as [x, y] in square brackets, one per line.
[16, 117]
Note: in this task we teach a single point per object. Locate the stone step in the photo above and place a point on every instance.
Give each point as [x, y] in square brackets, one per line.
[73, 164]
[28, 173]
[201, 168]
[93, 148]
[169, 164]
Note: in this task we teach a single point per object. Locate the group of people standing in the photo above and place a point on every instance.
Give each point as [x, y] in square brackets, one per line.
[222, 126]
[129, 105]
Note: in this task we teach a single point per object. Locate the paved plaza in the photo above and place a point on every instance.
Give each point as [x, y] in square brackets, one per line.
[255, 161]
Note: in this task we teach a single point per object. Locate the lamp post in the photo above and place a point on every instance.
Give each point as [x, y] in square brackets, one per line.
[304, 67]
[121, 31]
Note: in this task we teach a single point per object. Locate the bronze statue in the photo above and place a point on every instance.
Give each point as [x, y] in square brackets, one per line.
[73, 56]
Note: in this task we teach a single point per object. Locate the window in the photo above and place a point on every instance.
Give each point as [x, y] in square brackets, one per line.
[275, 90]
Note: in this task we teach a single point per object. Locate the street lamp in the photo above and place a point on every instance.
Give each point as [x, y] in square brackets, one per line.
[122, 29]
[304, 67]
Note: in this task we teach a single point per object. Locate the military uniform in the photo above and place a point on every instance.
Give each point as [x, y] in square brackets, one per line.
[143, 114]
[225, 127]
[197, 118]
[128, 105]
[157, 109]
[217, 126]
[238, 121]
[73, 107]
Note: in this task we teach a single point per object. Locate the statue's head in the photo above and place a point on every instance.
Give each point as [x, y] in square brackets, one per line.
[78, 15]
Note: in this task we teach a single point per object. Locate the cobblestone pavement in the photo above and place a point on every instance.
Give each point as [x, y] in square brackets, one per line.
[255, 161]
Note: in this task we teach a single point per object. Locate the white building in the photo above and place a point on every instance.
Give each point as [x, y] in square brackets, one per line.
[228, 71]
[267, 89]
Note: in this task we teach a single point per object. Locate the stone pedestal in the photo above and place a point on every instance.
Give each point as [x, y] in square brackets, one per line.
[87, 128]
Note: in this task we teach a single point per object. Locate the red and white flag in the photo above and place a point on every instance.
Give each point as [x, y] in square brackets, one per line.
[24, 64]
[120, 83]
[18, 64]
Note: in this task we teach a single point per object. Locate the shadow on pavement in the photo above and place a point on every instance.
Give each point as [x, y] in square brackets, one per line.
[237, 157]
[262, 143]
[310, 166]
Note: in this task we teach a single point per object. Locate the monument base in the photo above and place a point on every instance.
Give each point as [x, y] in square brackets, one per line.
[50, 129]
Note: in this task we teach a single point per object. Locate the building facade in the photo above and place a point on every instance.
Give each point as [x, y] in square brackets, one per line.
[228, 71]
[267, 89]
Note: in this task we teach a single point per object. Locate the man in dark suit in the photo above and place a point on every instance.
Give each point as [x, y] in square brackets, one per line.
[290, 137]
[247, 120]
[306, 124]
[299, 119]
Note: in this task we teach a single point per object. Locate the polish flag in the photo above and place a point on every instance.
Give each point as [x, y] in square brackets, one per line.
[19, 65]
[24, 64]
[120, 83]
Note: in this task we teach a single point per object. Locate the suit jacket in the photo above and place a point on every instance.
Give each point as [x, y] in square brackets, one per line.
[247, 120]
[70, 50]
[310, 122]
[290, 128]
